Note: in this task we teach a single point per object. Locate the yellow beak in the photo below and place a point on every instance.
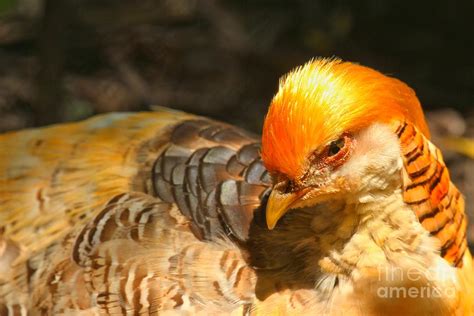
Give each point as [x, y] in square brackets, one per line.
[279, 203]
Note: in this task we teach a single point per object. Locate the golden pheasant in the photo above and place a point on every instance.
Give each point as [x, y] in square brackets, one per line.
[345, 208]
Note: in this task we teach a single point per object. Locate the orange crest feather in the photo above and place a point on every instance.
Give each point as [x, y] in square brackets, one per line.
[318, 102]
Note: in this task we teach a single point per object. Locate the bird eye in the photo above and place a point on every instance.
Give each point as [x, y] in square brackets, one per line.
[336, 146]
[335, 153]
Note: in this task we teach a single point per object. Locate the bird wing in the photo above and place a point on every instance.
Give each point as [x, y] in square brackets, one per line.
[213, 172]
[52, 177]
[128, 213]
[138, 255]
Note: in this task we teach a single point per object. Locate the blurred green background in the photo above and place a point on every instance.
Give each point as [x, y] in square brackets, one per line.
[64, 60]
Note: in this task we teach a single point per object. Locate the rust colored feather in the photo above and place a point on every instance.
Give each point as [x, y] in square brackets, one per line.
[427, 187]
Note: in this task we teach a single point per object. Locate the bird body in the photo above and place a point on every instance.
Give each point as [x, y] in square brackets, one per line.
[74, 195]
[349, 211]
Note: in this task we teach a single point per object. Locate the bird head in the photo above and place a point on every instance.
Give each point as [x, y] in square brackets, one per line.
[313, 134]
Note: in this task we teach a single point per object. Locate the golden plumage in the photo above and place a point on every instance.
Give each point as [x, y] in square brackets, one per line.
[164, 212]
[318, 102]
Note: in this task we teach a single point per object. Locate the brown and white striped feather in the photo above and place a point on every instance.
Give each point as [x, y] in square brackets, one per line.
[82, 230]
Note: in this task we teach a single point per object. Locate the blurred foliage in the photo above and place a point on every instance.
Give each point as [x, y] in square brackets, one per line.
[217, 57]
[6, 5]
[461, 145]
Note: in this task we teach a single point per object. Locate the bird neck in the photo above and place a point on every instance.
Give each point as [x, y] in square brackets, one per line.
[385, 232]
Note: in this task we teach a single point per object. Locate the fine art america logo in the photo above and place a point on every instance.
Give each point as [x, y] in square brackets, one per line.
[415, 283]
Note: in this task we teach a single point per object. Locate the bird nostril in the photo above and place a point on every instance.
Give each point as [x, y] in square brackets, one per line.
[288, 187]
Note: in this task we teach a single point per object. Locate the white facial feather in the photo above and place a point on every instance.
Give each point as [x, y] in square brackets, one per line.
[375, 163]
